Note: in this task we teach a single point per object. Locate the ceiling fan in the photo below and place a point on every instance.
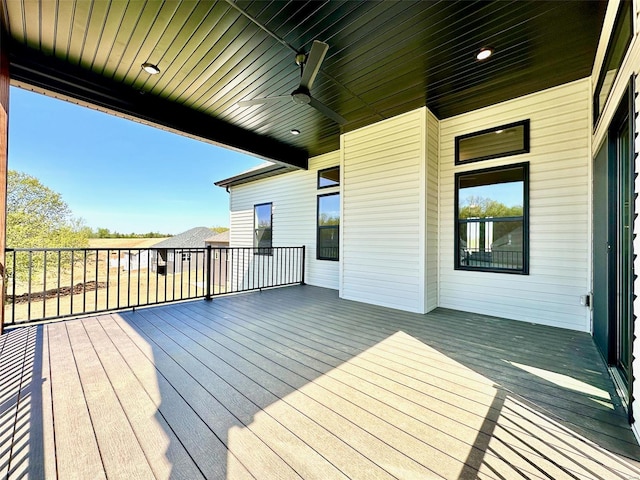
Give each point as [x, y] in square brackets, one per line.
[309, 67]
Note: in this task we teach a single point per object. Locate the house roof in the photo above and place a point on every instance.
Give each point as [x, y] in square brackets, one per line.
[192, 238]
[256, 173]
[384, 59]
[222, 237]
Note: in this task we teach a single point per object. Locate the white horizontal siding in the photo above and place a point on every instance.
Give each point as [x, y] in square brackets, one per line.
[383, 226]
[559, 205]
[294, 198]
[432, 191]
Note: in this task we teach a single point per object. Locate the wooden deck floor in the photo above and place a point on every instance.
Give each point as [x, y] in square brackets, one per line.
[295, 383]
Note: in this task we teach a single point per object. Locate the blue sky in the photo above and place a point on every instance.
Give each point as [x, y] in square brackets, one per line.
[510, 193]
[119, 174]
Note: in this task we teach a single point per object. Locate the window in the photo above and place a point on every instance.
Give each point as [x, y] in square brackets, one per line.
[328, 227]
[618, 44]
[501, 141]
[329, 177]
[262, 228]
[492, 219]
[186, 256]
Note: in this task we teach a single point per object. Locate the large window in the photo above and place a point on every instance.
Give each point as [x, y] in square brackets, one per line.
[492, 219]
[262, 228]
[329, 227]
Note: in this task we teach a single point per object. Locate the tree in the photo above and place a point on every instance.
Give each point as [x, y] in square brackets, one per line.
[37, 217]
[480, 207]
[218, 229]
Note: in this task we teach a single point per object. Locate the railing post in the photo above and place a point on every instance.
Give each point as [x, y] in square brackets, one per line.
[302, 265]
[207, 271]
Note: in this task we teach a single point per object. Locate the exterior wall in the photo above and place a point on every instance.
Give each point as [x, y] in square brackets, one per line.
[294, 198]
[433, 154]
[559, 207]
[383, 213]
[220, 267]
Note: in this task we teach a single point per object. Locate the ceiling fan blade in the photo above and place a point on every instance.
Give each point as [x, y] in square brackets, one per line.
[263, 101]
[322, 108]
[312, 64]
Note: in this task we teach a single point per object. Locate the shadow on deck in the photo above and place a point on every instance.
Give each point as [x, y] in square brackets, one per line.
[296, 383]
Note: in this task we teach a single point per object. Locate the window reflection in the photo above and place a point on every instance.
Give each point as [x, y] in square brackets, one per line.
[491, 223]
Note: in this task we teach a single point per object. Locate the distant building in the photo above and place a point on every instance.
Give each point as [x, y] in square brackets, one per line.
[180, 253]
[220, 271]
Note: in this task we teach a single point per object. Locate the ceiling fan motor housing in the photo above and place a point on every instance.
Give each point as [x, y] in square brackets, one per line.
[301, 96]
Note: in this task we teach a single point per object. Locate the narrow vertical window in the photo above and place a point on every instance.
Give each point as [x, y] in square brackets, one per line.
[328, 227]
[492, 224]
[262, 218]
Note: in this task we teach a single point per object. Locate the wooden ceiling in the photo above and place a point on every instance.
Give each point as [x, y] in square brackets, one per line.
[384, 58]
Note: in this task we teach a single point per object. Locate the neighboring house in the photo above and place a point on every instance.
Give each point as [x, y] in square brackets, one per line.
[394, 239]
[219, 240]
[181, 252]
[130, 259]
[220, 271]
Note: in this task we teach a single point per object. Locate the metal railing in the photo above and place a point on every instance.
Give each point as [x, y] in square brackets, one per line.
[499, 259]
[48, 283]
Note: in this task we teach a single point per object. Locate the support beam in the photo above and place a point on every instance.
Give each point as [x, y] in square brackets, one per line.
[4, 155]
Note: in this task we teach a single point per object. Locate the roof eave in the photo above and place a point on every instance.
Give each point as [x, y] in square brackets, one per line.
[253, 175]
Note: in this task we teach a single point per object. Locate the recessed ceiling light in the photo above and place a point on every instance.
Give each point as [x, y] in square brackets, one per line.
[150, 68]
[294, 131]
[484, 53]
[499, 131]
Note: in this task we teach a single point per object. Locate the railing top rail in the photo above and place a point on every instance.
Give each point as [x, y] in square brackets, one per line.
[111, 249]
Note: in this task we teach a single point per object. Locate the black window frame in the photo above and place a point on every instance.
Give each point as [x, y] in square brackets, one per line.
[263, 250]
[319, 228]
[526, 124]
[326, 170]
[525, 220]
[625, 7]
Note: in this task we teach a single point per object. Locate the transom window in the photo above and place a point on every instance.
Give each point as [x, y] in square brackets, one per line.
[329, 177]
[328, 227]
[618, 45]
[262, 221]
[495, 142]
[492, 219]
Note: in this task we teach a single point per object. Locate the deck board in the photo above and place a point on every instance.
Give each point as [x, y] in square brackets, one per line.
[206, 450]
[120, 449]
[435, 378]
[433, 437]
[295, 383]
[14, 399]
[274, 447]
[238, 372]
[153, 434]
[77, 451]
[172, 365]
[483, 359]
